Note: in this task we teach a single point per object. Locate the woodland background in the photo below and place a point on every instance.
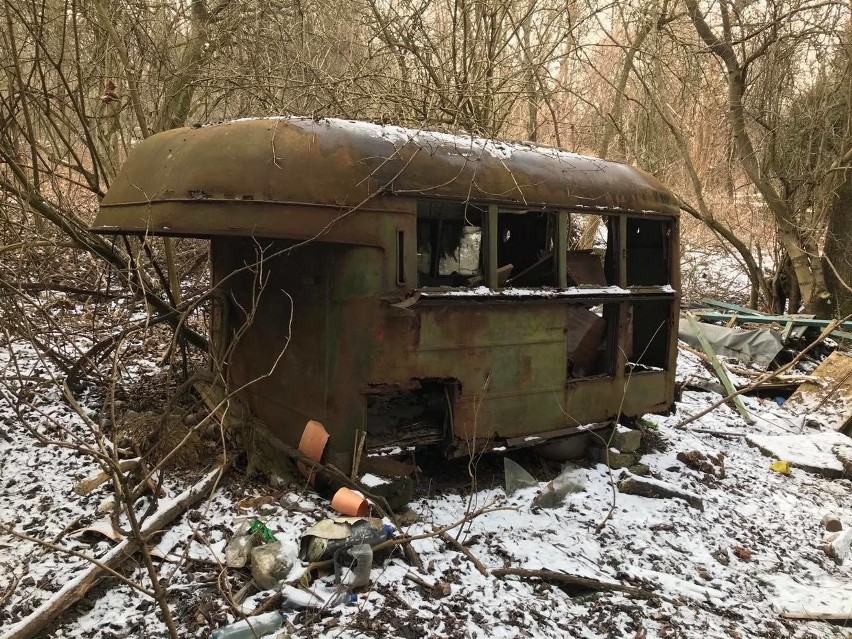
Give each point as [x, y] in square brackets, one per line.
[743, 108]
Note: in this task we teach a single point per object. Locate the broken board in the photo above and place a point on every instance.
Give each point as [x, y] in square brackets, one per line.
[829, 400]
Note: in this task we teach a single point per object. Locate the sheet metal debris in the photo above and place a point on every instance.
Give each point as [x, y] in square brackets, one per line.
[759, 346]
[793, 324]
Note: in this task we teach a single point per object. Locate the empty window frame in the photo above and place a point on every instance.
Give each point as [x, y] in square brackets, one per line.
[449, 244]
[591, 258]
[648, 252]
[650, 333]
[525, 248]
[591, 337]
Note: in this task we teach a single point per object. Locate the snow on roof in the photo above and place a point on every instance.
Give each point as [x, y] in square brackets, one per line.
[427, 138]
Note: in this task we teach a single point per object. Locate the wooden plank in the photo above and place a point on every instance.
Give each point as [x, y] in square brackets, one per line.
[817, 615]
[721, 373]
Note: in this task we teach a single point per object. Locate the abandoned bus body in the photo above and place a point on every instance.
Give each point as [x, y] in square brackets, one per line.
[423, 287]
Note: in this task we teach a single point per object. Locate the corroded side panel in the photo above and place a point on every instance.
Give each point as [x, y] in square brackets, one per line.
[277, 314]
[506, 359]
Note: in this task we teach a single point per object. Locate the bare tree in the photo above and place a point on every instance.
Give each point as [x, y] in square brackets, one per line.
[743, 39]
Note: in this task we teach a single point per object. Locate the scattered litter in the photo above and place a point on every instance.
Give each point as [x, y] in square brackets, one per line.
[352, 566]
[780, 466]
[516, 477]
[312, 444]
[272, 562]
[350, 503]
[323, 539]
[251, 627]
[759, 346]
[247, 534]
[570, 480]
[315, 598]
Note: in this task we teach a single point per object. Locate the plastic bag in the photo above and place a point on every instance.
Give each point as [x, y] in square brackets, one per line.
[571, 480]
[516, 477]
[270, 563]
[247, 534]
[239, 546]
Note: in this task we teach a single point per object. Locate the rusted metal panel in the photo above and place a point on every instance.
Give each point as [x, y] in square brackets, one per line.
[505, 364]
[246, 177]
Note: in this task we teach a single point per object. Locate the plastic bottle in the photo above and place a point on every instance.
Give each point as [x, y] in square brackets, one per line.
[251, 627]
[363, 532]
[296, 598]
[330, 535]
[352, 566]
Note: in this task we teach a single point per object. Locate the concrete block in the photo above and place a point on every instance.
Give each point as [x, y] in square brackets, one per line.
[627, 440]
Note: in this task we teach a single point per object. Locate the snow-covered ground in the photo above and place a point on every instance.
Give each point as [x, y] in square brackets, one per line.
[727, 571]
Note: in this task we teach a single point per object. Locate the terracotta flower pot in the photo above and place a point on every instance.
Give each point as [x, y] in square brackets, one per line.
[312, 444]
[348, 502]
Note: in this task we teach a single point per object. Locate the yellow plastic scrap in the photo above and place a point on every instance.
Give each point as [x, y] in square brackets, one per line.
[780, 466]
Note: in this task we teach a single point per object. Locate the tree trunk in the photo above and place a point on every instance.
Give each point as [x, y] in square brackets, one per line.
[838, 247]
[838, 244]
[613, 123]
[806, 267]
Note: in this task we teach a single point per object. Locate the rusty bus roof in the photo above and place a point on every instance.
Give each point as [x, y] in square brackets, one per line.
[221, 179]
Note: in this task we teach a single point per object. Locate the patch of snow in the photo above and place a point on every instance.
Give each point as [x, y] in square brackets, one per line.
[687, 558]
[812, 450]
[431, 140]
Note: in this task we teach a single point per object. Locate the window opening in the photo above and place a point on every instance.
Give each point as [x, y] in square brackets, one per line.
[647, 245]
[590, 260]
[525, 248]
[591, 338]
[651, 326]
[449, 244]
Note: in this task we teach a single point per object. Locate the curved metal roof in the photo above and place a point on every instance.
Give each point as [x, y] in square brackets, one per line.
[231, 178]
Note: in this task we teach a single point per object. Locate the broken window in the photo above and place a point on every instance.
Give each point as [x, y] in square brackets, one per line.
[409, 417]
[651, 323]
[449, 244]
[647, 244]
[525, 248]
[591, 260]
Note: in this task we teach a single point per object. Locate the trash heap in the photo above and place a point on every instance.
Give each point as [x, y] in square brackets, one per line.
[345, 542]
